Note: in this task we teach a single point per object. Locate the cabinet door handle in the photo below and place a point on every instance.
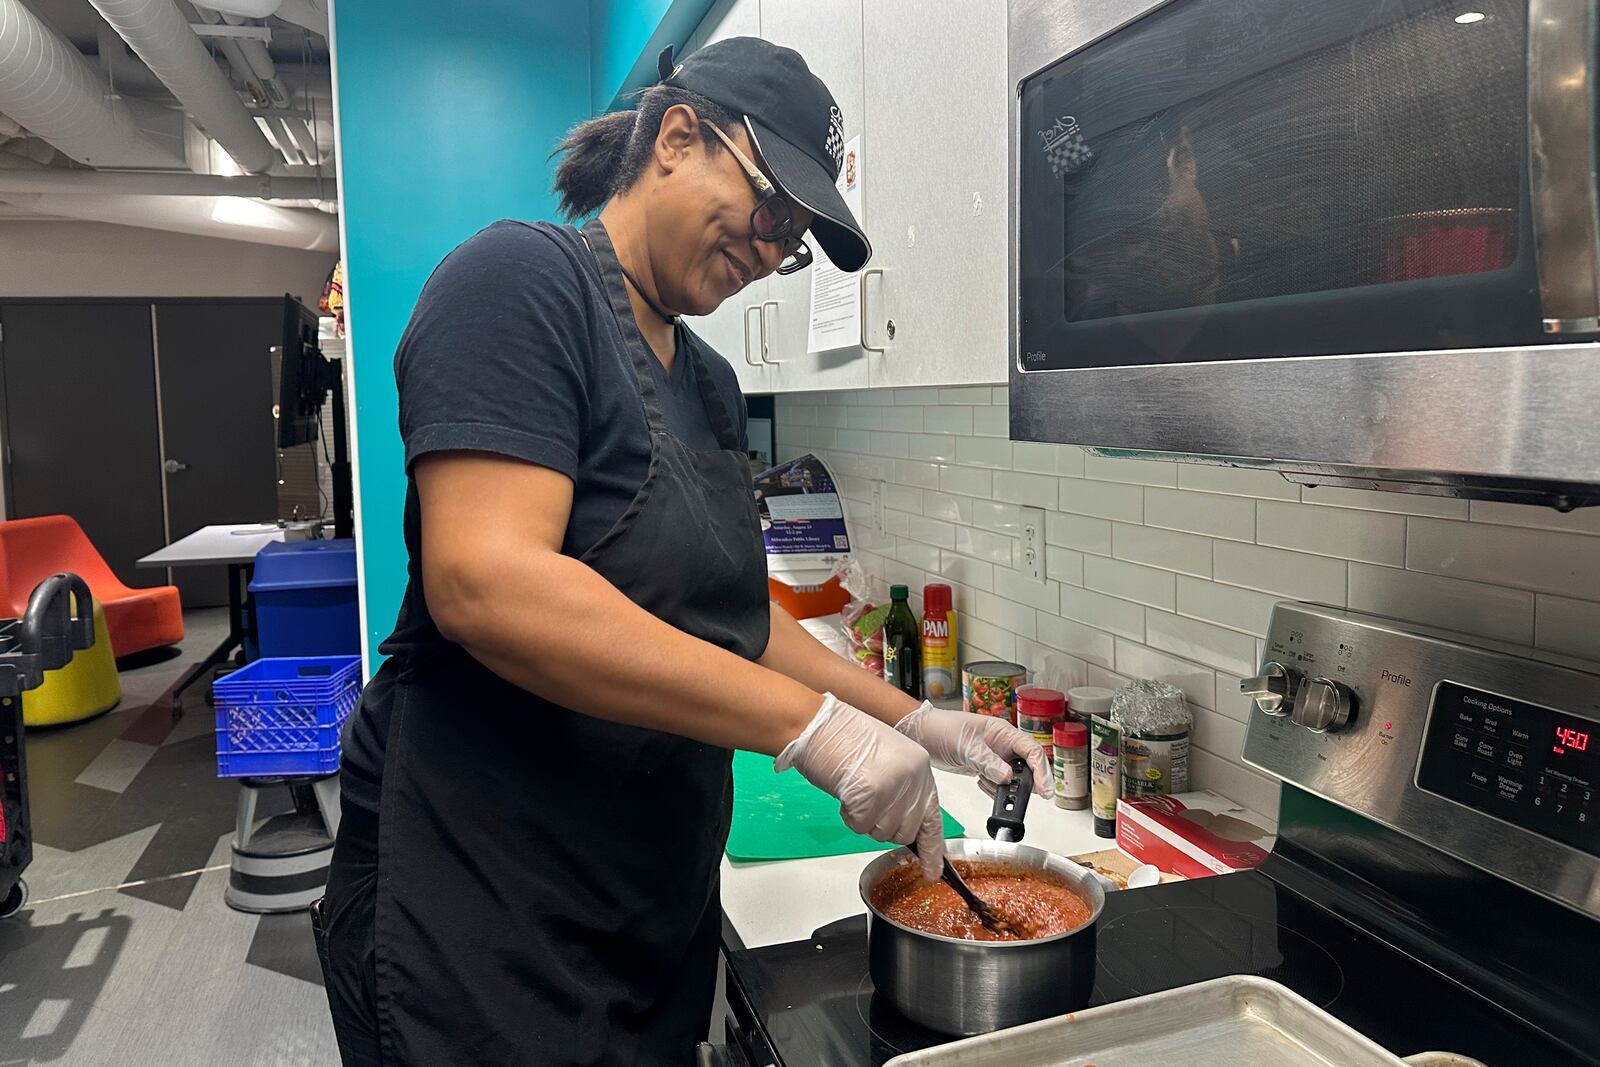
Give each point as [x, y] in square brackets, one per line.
[869, 272]
[766, 345]
[172, 466]
[1562, 158]
[748, 309]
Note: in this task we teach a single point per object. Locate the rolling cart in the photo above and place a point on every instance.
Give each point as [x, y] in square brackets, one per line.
[59, 621]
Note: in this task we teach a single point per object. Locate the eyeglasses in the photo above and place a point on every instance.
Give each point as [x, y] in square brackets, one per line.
[773, 217]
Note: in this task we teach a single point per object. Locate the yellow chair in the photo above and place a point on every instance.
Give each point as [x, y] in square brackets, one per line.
[82, 689]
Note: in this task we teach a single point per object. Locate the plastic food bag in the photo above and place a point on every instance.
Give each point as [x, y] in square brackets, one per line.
[863, 617]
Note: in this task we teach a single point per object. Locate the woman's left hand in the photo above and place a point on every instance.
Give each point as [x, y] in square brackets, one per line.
[961, 741]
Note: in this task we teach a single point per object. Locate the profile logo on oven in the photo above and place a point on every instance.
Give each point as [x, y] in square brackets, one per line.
[1064, 146]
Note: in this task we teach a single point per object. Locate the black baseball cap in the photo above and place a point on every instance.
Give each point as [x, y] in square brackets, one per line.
[792, 120]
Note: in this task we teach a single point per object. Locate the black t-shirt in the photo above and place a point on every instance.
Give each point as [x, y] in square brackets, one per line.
[512, 348]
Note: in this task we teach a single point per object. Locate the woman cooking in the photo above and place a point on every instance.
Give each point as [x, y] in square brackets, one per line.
[537, 783]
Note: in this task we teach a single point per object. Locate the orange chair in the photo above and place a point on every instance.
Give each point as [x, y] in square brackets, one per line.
[33, 549]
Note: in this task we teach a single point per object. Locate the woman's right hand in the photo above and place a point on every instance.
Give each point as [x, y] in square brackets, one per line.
[883, 779]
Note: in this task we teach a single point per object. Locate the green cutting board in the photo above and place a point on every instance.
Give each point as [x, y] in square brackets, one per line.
[784, 817]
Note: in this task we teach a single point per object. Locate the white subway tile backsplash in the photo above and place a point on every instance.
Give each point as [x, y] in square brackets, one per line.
[991, 422]
[889, 445]
[1273, 570]
[1567, 564]
[981, 544]
[1439, 507]
[1583, 520]
[1198, 683]
[1237, 481]
[1074, 638]
[1105, 500]
[984, 452]
[1028, 490]
[1130, 581]
[1130, 471]
[1103, 612]
[1018, 618]
[957, 420]
[905, 420]
[1226, 605]
[864, 418]
[931, 531]
[933, 447]
[1076, 531]
[1045, 596]
[994, 640]
[1471, 607]
[1371, 536]
[1034, 457]
[1228, 517]
[1063, 564]
[968, 481]
[967, 394]
[903, 497]
[1171, 551]
[912, 472]
[997, 516]
[1198, 554]
[1571, 627]
[1223, 650]
[976, 573]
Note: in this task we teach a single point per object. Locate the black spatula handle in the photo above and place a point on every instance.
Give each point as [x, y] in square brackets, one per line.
[1011, 803]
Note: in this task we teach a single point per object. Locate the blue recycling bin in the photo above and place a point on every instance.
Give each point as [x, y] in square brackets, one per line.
[305, 599]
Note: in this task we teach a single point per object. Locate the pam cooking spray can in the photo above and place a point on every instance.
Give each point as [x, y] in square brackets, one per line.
[939, 678]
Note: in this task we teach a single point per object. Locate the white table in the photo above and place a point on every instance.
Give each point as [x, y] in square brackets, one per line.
[770, 903]
[233, 546]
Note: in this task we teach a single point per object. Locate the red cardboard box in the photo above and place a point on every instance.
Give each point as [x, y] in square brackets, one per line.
[1191, 834]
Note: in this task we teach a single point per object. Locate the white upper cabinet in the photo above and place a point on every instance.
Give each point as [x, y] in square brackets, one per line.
[828, 34]
[936, 189]
[735, 328]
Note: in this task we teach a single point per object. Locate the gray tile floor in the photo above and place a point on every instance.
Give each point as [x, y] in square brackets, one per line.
[126, 953]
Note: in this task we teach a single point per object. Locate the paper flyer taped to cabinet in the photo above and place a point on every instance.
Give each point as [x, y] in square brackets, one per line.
[802, 521]
[835, 295]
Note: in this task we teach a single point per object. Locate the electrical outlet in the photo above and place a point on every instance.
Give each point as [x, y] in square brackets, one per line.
[879, 511]
[1032, 544]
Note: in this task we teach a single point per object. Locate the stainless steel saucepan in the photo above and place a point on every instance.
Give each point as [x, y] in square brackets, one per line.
[964, 987]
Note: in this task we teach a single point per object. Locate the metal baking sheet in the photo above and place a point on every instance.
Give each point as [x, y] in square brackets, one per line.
[1226, 1021]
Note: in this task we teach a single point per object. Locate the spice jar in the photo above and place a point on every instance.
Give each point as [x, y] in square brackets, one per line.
[1038, 711]
[1071, 750]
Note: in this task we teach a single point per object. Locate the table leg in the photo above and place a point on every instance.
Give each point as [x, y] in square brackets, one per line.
[235, 638]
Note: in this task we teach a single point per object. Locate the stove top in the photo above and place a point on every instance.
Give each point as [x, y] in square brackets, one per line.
[812, 1002]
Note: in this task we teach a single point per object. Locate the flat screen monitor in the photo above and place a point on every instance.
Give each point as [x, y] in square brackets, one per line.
[302, 386]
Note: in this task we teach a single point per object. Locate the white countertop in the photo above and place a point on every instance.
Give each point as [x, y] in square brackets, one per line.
[213, 545]
[770, 903]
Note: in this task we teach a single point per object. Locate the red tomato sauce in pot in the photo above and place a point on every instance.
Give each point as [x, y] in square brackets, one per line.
[1031, 902]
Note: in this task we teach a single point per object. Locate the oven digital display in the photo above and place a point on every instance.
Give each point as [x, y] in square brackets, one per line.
[1527, 764]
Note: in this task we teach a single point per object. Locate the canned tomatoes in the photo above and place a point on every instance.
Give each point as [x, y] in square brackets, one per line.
[990, 687]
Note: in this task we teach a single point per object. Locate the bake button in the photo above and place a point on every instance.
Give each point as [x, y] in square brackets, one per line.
[1466, 717]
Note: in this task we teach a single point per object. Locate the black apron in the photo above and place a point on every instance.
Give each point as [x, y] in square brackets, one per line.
[546, 882]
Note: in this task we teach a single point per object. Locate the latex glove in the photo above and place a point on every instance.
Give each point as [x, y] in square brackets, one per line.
[962, 741]
[882, 780]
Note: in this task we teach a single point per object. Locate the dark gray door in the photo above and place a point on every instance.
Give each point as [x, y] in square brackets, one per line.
[216, 415]
[80, 424]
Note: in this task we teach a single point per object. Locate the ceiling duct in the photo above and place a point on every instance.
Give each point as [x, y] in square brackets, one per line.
[160, 35]
[49, 88]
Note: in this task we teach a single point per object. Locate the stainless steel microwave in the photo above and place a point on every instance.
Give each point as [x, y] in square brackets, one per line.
[1356, 241]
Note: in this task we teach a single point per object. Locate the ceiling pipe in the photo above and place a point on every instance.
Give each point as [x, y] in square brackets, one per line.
[307, 13]
[127, 183]
[160, 35]
[49, 87]
[228, 217]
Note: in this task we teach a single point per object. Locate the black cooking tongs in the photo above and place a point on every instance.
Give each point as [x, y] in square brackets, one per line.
[1005, 824]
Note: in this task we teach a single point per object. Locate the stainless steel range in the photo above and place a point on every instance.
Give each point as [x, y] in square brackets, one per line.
[1435, 884]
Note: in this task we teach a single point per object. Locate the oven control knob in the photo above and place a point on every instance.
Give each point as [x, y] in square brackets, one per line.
[1324, 705]
[1274, 690]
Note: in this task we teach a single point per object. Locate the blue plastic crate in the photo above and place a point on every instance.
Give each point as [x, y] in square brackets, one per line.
[283, 716]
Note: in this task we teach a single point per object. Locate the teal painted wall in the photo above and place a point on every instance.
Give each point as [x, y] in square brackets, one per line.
[625, 36]
[447, 113]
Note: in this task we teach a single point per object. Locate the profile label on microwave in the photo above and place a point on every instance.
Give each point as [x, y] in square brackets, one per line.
[1064, 146]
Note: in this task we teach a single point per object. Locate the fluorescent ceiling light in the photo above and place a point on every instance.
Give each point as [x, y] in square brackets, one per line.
[1466, 18]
